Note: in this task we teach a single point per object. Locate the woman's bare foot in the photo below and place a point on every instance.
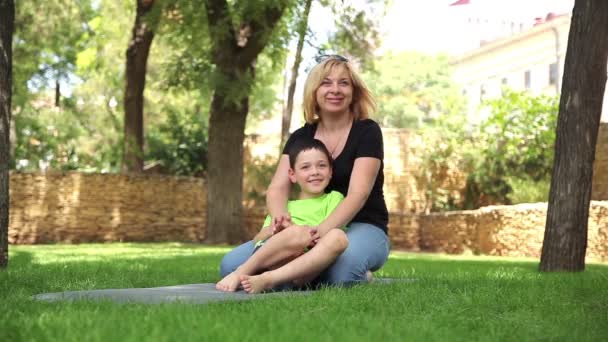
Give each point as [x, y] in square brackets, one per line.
[230, 283]
[257, 284]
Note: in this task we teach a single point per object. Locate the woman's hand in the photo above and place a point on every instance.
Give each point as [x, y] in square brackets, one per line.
[315, 236]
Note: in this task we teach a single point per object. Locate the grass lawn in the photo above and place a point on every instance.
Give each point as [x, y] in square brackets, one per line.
[452, 299]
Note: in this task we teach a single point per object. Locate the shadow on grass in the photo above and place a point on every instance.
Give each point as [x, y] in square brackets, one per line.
[20, 258]
[31, 273]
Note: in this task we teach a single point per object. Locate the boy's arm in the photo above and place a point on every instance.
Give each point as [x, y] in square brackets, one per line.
[272, 226]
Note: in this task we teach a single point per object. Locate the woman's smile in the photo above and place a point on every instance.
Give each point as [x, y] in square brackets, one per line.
[335, 93]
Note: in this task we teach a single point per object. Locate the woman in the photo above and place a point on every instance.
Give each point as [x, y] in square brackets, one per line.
[336, 108]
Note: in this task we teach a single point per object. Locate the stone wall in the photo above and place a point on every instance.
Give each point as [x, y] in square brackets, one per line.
[76, 207]
[600, 166]
[401, 191]
[404, 231]
[515, 230]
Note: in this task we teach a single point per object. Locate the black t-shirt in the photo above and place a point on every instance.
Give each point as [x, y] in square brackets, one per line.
[364, 140]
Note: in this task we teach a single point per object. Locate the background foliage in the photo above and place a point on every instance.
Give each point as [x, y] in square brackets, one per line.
[69, 85]
[413, 90]
[507, 157]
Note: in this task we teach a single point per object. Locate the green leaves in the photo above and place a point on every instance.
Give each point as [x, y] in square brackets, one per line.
[413, 90]
[520, 133]
[179, 142]
[85, 59]
[507, 158]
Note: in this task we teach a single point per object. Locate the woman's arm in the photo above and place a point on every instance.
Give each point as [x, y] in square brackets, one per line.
[263, 234]
[278, 190]
[365, 171]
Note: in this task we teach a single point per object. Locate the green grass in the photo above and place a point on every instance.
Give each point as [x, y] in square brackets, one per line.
[452, 299]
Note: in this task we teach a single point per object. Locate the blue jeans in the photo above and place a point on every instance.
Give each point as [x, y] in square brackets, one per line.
[368, 248]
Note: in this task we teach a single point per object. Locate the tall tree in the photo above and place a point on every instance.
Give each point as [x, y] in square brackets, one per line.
[288, 110]
[7, 21]
[235, 48]
[137, 59]
[565, 240]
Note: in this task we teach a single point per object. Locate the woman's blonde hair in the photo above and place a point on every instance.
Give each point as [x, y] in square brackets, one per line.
[363, 103]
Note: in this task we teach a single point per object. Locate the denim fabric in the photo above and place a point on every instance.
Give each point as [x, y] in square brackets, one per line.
[368, 248]
[236, 258]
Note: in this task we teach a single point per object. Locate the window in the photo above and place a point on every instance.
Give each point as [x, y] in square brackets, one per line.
[504, 83]
[553, 74]
[528, 79]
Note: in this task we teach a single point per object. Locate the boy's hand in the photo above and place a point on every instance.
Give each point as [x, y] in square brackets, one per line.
[280, 222]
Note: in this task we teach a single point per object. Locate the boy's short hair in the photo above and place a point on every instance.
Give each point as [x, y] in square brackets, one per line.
[305, 145]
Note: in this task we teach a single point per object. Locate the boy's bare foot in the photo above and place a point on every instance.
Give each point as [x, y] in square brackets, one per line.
[230, 283]
[256, 284]
[369, 276]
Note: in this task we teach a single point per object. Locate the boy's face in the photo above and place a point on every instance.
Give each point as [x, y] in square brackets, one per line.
[312, 172]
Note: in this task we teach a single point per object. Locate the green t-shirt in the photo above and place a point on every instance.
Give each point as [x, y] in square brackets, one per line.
[311, 211]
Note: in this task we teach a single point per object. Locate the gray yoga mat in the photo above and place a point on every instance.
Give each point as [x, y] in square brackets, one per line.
[190, 293]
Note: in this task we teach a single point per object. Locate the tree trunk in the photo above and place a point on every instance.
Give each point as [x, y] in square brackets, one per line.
[7, 22]
[225, 169]
[137, 59]
[580, 108]
[234, 55]
[302, 28]
[57, 93]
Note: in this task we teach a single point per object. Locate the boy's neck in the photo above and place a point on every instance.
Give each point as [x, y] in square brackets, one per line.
[304, 195]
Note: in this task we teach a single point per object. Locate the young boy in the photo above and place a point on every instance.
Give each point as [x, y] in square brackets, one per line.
[278, 243]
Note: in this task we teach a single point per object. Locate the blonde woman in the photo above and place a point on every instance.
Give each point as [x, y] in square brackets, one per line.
[337, 105]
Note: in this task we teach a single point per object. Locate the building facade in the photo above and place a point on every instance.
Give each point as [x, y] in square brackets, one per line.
[531, 60]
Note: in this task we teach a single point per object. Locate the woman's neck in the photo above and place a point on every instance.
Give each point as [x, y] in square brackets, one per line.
[332, 122]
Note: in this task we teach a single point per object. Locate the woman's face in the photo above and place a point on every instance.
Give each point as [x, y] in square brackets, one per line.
[335, 93]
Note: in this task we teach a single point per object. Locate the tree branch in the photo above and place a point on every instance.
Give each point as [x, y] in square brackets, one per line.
[261, 30]
[221, 30]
